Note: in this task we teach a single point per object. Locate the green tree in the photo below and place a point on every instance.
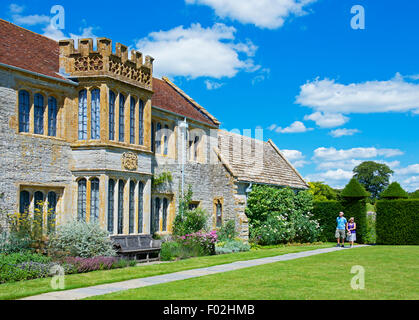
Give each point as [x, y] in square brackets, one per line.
[322, 192]
[414, 195]
[375, 177]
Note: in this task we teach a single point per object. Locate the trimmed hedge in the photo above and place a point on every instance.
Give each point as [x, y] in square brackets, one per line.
[398, 222]
[326, 213]
[357, 208]
[394, 191]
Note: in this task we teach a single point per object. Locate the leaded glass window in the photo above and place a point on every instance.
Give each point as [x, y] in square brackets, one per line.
[111, 203]
[219, 212]
[111, 115]
[81, 200]
[165, 206]
[121, 118]
[95, 115]
[131, 206]
[24, 111]
[24, 202]
[156, 215]
[52, 116]
[153, 137]
[158, 140]
[83, 115]
[39, 114]
[121, 186]
[132, 121]
[141, 121]
[94, 200]
[140, 206]
[166, 140]
[39, 212]
[52, 210]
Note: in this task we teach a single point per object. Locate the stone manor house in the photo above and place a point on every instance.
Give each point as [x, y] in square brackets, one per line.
[86, 129]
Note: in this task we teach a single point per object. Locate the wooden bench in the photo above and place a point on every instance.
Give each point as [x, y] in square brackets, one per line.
[142, 248]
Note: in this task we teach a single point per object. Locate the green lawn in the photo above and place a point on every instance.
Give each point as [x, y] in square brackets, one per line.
[33, 287]
[390, 273]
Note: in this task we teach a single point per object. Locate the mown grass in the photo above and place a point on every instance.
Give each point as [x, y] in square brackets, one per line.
[390, 273]
[22, 289]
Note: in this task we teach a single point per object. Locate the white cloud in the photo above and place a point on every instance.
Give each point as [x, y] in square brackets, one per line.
[199, 52]
[327, 120]
[328, 96]
[15, 8]
[332, 154]
[270, 14]
[296, 127]
[412, 169]
[53, 33]
[331, 176]
[351, 164]
[213, 85]
[30, 20]
[296, 157]
[343, 132]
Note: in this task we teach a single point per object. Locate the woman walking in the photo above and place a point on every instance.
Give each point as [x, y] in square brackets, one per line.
[351, 228]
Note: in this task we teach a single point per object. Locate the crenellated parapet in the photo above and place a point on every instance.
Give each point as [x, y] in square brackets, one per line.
[86, 62]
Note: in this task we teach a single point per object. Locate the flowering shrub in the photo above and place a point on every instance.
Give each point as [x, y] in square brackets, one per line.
[81, 239]
[231, 246]
[82, 265]
[199, 243]
[227, 231]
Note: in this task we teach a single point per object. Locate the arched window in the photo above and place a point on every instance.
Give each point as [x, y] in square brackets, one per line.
[158, 140]
[140, 207]
[81, 200]
[196, 144]
[165, 206]
[52, 210]
[111, 115]
[39, 113]
[111, 202]
[121, 118]
[166, 140]
[83, 115]
[219, 213]
[132, 121]
[39, 206]
[156, 216]
[95, 115]
[24, 111]
[153, 137]
[121, 186]
[131, 206]
[141, 121]
[24, 202]
[94, 200]
[52, 116]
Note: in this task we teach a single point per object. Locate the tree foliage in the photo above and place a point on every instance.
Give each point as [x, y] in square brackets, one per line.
[414, 195]
[375, 177]
[322, 192]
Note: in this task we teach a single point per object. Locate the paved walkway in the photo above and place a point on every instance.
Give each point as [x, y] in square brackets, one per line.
[87, 292]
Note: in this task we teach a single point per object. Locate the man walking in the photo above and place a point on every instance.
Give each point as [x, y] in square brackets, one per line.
[341, 229]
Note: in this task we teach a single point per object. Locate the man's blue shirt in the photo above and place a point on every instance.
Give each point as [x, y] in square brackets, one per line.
[341, 221]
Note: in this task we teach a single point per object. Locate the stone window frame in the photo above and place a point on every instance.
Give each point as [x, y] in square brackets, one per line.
[126, 205]
[216, 201]
[45, 190]
[46, 94]
[165, 146]
[195, 144]
[163, 225]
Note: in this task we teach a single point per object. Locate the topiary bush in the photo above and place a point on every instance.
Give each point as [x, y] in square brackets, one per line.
[354, 190]
[397, 222]
[81, 239]
[394, 191]
[326, 212]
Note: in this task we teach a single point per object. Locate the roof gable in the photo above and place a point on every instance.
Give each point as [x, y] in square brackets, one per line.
[256, 161]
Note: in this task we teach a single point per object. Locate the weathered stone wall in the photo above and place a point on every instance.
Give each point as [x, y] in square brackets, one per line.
[25, 159]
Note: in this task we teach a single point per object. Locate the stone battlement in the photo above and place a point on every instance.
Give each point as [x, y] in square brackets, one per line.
[86, 62]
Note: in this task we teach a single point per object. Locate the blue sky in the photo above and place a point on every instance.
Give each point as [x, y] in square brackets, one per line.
[328, 95]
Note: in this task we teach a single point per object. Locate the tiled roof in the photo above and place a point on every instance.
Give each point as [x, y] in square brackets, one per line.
[168, 97]
[33, 52]
[27, 50]
[257, 161]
